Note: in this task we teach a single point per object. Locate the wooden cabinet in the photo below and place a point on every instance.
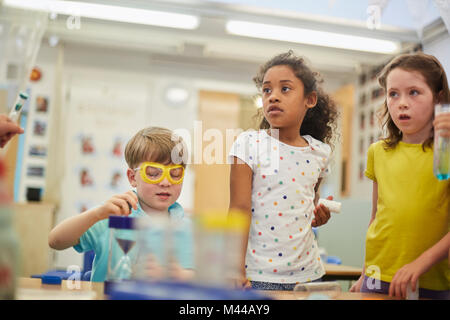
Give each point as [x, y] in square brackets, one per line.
[33, 222]
[217, 112]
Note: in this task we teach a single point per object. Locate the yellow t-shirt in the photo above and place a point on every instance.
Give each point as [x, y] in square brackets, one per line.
[412, 212]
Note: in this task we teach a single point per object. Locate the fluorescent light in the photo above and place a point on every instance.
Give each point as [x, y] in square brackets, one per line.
[107, 12]
[306, 36]
[177, 95]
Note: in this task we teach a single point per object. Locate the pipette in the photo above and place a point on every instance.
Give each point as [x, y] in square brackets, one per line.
[15, 111]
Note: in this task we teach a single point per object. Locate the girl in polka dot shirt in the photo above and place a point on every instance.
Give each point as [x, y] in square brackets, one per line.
[276, 173]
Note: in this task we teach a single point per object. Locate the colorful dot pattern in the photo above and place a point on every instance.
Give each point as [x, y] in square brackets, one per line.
[281, 246]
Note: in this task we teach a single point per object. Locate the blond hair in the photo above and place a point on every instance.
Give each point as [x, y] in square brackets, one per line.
[155, 144]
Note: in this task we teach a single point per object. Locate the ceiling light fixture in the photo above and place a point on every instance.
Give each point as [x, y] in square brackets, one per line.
[176, 95]
[108, 12]
[312, 37]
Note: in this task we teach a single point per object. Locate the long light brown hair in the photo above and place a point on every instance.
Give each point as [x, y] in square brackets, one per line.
[433, 72]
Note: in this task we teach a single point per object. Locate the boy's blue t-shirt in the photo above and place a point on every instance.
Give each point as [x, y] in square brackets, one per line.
[97, 238]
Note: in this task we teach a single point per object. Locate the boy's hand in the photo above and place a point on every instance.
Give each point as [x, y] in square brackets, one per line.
[177, 272]
[153, 269]
[119, 205]
[321, 214]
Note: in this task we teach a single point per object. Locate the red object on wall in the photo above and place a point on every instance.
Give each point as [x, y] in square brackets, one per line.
[36, 74]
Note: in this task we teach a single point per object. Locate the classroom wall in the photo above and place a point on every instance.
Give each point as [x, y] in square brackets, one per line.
[141, 75]
[343, 236]
[345, 233]
[148, 75]
[105, 76]
[440, 48]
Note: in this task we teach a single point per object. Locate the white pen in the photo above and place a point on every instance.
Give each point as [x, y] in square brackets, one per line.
[15, 111]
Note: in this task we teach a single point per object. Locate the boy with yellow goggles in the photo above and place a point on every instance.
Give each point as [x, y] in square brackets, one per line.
[153, 172]
[85, 232]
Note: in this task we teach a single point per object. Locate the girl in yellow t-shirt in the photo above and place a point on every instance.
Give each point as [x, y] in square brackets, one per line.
[408, 237]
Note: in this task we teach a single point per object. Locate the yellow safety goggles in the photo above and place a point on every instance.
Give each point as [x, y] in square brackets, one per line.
[153, 172]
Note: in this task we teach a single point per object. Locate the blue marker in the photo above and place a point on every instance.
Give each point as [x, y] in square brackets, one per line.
[15, 112]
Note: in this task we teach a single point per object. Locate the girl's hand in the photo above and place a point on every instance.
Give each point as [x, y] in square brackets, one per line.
[442, 124]
[407, 275]
[119, 205]
[242, 283]
[322, 214]
[356, 287]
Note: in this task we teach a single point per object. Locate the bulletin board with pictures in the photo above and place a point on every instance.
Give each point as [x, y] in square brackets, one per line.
[36, 142]
[366, 126]
[103, 117]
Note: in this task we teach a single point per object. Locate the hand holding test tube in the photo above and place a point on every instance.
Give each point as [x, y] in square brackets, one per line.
[333, 206]
[8, 125]
[17, 108]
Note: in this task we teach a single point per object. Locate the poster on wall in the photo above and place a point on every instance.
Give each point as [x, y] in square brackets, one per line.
[41, 104]
[116, 179]
[39, 128]
[86, 179]
[102, 117]
[87, 145]
[117, 148]
[38, 151]
[35, 171]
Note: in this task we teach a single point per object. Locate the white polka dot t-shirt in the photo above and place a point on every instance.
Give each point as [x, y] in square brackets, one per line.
[281, 245]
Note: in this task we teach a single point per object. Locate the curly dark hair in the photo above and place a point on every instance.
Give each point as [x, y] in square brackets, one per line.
[434, 74]
[320, 121]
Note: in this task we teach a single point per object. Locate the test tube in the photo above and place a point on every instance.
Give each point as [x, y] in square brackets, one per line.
[333, 206]
[317, 290]
[210, 238]
[154, 248]
[412, 295]
[15, 111]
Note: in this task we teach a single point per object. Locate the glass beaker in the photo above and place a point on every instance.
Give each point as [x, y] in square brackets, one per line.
[325, 290]
[237, 226]
[122, 253]
[210, 239]
[441, 156]
[153, 248]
